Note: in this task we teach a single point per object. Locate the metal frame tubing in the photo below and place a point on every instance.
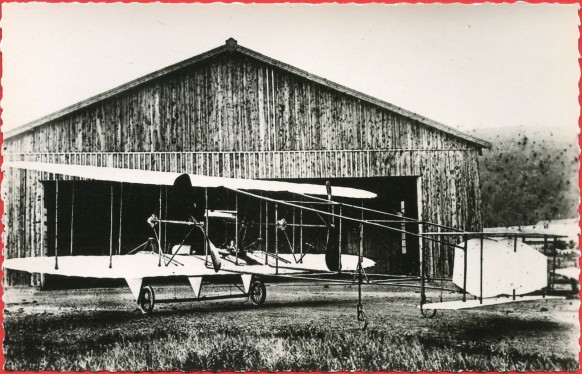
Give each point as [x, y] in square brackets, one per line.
[202, 298]
[332, 214]
[465, 269]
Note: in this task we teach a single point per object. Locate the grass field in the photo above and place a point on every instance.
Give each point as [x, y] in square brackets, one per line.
[299, 328]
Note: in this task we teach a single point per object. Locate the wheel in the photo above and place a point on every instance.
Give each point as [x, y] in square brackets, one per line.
[362, 320]
[427, 312]
[257, 293]
[147, 299]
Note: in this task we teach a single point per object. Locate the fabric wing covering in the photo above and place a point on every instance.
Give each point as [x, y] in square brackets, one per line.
[168, 178]
[505, 268]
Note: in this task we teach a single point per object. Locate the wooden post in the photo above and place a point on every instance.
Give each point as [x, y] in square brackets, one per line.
[420, 239]
[339, 247]
[111, 228]
[362, 229]
[360, 255]
[421, 261]
[293, 241]
[266, 232]
[206, 227]
[42, 232]
[236, 227]
[276, 240]
[57, 225]
[402, 213]
[301, 233]
[261, 222]
[120, 218]
[554, 263]
[23, 212]
[514, 251]
[160, 230]
[72, 216]
[165, 215]
[361, 249]
[465, 238]
[481, 270]
[545, 253]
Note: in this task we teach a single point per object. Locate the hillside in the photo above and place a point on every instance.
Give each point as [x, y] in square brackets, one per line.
[528, 176]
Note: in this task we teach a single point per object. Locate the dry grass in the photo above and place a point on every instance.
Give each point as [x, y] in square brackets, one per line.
[296, 330]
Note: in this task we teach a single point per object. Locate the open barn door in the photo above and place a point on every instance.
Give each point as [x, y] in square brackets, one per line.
[394, 252]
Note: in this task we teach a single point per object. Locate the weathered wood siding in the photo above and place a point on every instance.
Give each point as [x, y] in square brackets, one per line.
[233, 116]
[231, 104]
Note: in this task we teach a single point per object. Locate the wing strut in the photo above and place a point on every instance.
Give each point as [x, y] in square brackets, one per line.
[57, 225]
[361, 315]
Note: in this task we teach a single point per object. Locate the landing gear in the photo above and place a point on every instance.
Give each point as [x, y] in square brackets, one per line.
[362, 318]
[426, 311]
[257, 292]
[146, 300]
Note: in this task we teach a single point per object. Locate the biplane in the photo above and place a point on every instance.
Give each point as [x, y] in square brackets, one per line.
[301, 238]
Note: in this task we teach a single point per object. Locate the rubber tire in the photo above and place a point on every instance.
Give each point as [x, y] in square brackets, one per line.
[147, 300]
[427, 313]
[257, 293]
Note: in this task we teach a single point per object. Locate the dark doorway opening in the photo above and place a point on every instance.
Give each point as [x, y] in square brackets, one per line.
[87, 217]
[99, 218]
[394, 252]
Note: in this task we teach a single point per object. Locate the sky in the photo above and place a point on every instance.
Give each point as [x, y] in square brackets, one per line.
[467, 66]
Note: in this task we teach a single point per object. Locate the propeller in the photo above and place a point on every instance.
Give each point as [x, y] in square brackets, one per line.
[216, 264]
[185, 206]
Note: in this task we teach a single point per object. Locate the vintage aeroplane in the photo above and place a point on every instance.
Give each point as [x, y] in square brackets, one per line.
[494, 268]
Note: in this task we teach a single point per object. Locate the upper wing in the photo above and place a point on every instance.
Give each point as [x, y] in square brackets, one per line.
[98, 173]
[168, 178]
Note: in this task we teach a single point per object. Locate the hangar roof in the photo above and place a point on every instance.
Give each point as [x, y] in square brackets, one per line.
[231, 45]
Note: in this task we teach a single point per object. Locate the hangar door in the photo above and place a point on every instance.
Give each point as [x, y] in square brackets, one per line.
[394, 252]
[94, 218]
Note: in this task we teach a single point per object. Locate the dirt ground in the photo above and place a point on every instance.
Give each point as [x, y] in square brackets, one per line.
[66, 329]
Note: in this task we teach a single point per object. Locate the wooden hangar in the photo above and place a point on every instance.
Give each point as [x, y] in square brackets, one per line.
[232, 112]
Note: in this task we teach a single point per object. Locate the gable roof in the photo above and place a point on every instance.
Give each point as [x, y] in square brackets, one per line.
[232, 45]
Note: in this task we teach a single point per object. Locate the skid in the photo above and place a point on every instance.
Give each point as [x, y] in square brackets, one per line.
[202, 298]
